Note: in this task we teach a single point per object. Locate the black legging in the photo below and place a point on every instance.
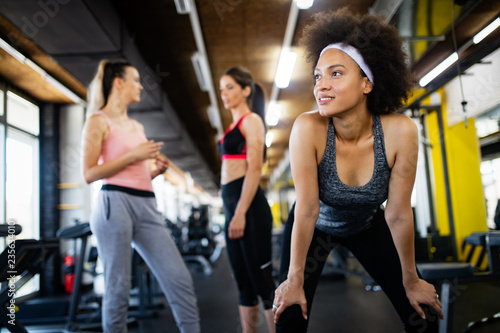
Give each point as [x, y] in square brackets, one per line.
[375, 250]
[250, 256]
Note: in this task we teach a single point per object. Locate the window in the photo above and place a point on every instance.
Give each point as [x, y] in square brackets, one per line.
[19, 170]
[490, 174]
[1, 102]
[2, 179]
[21, 185]
[22, 114]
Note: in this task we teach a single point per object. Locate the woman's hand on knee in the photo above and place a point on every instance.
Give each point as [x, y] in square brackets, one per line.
[287, 294]
[422, 292]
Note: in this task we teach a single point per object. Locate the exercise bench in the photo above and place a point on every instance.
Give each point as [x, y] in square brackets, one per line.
[30, 256]
[450, 274]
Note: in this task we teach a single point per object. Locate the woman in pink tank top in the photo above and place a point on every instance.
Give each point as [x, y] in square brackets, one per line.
[112, 138]
[116, 150]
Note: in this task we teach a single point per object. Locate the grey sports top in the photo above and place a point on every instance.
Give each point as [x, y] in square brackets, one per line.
[344, 210]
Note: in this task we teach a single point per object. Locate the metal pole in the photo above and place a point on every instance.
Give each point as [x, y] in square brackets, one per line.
[446, 177]
[433, 225]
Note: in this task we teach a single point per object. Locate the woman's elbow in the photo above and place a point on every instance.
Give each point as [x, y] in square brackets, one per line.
[88, 177]
[309, 211]
[87, 180]
[254, 168]
[397, 216]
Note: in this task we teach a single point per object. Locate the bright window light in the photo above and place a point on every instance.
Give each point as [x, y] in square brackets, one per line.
[486, 31]
[273, 113]
[285, 68]
[438, 69]
[304, 4]
[269, 139]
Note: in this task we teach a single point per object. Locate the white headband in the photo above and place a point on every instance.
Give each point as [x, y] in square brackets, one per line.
[352, 52]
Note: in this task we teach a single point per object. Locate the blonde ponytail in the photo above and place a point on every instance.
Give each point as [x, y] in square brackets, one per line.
[102, 84]
[95, 94]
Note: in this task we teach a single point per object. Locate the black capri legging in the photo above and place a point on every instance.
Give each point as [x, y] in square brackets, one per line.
[250, 256]
[375, 250]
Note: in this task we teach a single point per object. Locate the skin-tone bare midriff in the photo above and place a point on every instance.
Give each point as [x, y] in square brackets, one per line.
[232, 169]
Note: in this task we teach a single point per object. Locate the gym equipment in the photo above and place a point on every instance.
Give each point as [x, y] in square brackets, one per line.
[195, 240]
[75, 315]
[144, 280]
[80, 231]
[21, 261]
[10, 229]
[59, 306]
[450, 274]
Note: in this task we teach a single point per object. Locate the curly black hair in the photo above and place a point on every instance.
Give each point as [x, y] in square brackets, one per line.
[379, 43]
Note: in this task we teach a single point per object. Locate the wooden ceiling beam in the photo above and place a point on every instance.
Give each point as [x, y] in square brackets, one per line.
[26, 77]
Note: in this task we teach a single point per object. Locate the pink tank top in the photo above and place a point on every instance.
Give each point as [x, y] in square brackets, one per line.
[135, 175]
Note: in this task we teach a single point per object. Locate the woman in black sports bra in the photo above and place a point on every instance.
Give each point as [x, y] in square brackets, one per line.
[347, 158]
[248, 216]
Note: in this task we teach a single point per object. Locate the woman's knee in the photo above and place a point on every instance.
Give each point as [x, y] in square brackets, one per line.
[291, 320]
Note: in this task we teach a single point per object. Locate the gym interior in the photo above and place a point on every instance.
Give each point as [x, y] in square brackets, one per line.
[49, 50]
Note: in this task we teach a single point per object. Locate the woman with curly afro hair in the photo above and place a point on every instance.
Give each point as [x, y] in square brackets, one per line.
[347, 158]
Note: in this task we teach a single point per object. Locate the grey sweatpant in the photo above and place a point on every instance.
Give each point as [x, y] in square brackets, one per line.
[120, 219]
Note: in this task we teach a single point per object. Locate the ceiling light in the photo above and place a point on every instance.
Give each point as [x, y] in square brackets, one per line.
[304, 4]
[269, 139]
[183, 6]
[285, 68]
[213, 116]
[200, 69]
[486, 31]
[273, 113]
[438, 69]
[201, 63]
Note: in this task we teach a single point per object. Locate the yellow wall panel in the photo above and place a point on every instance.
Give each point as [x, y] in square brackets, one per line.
[467, 194]
[275, 210]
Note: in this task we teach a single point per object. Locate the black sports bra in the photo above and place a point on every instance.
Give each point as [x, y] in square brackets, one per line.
[233, 144]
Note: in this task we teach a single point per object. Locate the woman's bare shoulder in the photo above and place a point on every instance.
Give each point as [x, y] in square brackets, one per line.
[96, 121]
[310, 121]
[311, 118]
[397, 123]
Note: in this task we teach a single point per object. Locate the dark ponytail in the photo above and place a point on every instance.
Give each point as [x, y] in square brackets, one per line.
[258, 101]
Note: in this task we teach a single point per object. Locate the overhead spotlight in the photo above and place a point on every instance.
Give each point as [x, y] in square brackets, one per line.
[438, 69]
[285, 68]
[183, 6]
[486, 31]
[304, 4]
[273, 113]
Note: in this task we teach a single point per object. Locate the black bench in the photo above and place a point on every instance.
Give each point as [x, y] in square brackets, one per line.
[450, 274]
[30, 256]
